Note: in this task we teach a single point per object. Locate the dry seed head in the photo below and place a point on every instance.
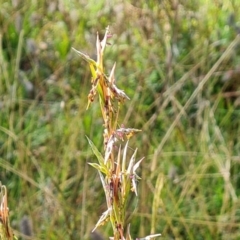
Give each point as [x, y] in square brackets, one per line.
[4, 211]
[117, 181]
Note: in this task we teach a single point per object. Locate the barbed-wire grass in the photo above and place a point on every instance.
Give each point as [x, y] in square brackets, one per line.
[117, 172]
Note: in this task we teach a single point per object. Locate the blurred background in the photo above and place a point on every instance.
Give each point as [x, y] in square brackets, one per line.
[164, 49]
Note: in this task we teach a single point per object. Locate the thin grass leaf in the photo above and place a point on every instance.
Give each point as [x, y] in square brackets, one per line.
[118, 161]
[99, 54]
[124, 158]
[96, 152]
[131, 163]
[134, 185]
[85, 57]
[99, 168]
[111, 76]
[128, 237]
[136, 166]
[104, 41]
[149, 237]
[103, 219]
[106, 190]
[135, 177]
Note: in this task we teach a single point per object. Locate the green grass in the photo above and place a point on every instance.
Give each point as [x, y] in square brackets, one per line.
[163, 54]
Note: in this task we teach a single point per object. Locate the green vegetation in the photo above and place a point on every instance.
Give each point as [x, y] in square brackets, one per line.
[178, 61]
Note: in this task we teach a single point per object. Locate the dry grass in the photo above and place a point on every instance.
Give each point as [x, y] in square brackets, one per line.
[174, 62]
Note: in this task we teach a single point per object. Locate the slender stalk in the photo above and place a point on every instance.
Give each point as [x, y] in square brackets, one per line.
[117, 173]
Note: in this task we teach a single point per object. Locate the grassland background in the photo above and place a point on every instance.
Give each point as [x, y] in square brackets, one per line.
[190, 183]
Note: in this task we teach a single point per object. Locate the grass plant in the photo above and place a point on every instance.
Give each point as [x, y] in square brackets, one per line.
[116, 168]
